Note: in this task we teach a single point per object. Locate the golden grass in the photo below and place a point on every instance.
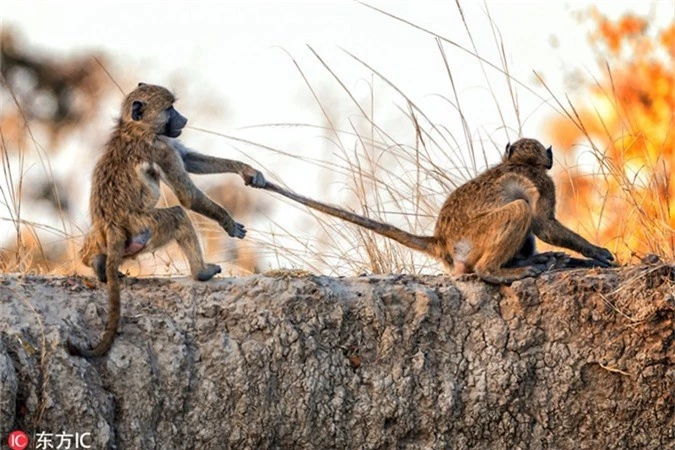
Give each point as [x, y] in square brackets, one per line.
[400, 183]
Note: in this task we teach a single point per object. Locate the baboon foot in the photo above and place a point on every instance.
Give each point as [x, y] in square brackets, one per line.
[508, 276]
[536, 270]
[98, 264]
[580, 263]
[208, 272]
[553, 260]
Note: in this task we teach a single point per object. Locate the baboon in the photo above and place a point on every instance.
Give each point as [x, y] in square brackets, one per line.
[488, 224]
[125, 189]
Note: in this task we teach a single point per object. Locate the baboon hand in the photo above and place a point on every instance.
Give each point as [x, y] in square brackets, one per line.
[598, 253]
[235, 229]
[253, 177]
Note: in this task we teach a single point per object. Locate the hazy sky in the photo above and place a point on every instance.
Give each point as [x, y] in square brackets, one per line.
[241, 49]
[239, 56]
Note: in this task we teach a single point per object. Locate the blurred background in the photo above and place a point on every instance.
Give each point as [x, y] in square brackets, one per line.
[382, 107]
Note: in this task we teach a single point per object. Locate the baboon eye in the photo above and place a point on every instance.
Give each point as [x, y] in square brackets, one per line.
[508, 149]
[137, 110]
[141, 84]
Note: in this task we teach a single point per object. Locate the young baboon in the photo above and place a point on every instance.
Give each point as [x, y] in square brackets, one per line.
[487, 225]
[125, 190]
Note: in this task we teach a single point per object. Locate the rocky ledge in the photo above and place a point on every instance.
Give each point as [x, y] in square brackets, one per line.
[570, 360]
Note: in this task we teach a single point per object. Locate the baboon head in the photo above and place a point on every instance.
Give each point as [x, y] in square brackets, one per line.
[529, 151]
[150, 108]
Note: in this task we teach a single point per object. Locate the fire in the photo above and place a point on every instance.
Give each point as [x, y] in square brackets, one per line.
[625, 199]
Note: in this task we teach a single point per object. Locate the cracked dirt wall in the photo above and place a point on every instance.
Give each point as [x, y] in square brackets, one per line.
[571, 360]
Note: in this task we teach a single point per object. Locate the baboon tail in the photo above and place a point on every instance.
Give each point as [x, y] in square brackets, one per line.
[424, 244]
[112, 263]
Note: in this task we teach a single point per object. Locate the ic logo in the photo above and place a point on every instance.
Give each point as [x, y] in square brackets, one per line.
[18, 440]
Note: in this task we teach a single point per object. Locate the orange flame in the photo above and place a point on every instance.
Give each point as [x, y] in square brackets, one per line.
[626, 200]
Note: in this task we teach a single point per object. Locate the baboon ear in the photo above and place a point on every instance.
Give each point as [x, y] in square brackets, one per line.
[508, 150]
[137, 110]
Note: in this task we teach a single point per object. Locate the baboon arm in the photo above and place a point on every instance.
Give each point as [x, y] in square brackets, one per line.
[553, 232]
[202, 164]
[195, 162]
[189, 195]
[547, 228]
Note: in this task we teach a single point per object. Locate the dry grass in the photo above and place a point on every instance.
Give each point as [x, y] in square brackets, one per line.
[651, 213]
[28, 244]
[624, 198]
[399, 181]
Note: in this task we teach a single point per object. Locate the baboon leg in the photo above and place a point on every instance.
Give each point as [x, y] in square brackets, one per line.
[92, 255]
[552, 260]
[555, 261]
[89, 249]
[95, 257]
[509, 275]
[581, 263]
[502, 233]
[528, 249]
[173, 223]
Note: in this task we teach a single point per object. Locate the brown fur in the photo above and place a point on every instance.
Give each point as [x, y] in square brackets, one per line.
[125, 190]
[485, 222]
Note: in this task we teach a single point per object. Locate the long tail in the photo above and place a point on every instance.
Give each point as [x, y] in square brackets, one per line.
[424, 244]
[114, 259]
